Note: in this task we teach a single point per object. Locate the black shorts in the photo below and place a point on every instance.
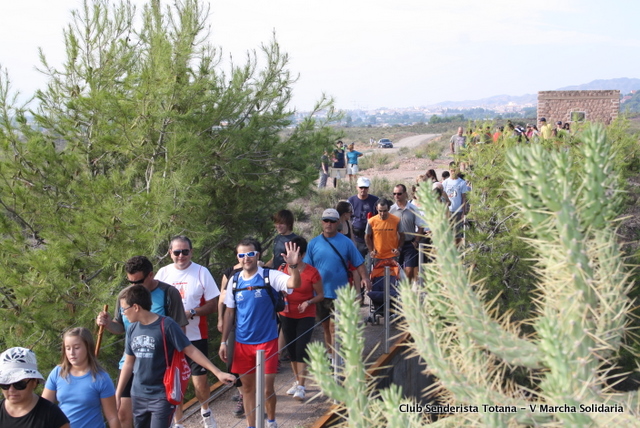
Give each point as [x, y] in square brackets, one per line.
[324, 309]
[197, 369]
[408, 255]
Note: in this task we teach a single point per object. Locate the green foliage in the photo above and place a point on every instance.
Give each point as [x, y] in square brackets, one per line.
[435, 119]
[632, 105]
[497, 252]
[626, 147]
[375, 160]
[139, 136]
[404, 151]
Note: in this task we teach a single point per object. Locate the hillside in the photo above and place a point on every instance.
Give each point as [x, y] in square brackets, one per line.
[624, 84]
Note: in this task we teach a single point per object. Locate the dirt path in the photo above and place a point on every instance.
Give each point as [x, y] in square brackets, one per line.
[415, 141]
[408, 166]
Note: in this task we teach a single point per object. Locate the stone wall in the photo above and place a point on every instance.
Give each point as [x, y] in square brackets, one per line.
[591, 106]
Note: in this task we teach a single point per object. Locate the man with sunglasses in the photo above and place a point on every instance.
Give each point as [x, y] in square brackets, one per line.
[250, 303]
[412, 226]
[21, 407]
[165, 300]
[364, 207]
[330, 253]
[199, 293]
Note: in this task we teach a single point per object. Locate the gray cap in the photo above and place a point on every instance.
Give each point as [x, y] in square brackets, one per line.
[330, 214]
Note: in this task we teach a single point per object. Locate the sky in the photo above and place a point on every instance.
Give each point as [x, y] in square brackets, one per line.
[374, 53]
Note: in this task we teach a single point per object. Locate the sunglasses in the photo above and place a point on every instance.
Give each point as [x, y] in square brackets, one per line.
[362, 187]
[184, 252]
[398, 194]
[136, 282]
[329, 221]
[249, 254]
[18, 386]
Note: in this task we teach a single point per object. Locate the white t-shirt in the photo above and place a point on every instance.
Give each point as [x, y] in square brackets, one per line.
[454, 190]
[196, 286]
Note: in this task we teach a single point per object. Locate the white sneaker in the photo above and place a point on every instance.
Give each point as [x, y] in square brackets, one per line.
[273, 424]
[208, 421]
[293, 389]
[299, 394]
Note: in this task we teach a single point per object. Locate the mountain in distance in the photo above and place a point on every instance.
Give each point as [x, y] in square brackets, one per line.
[624, 84]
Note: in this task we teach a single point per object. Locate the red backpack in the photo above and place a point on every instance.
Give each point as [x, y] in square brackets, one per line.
[176, 376]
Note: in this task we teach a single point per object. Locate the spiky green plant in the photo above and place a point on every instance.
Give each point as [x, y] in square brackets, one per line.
[581, 307]
[582, 302]
[350, 386]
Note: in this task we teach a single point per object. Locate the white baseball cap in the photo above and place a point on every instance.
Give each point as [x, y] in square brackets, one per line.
[364, 182]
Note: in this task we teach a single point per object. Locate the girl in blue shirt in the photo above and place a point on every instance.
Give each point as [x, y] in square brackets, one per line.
[83, 389]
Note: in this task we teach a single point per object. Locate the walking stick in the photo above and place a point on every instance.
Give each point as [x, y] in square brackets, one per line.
[100, 331]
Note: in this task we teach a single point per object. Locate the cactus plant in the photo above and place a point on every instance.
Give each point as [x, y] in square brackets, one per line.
[582, 304]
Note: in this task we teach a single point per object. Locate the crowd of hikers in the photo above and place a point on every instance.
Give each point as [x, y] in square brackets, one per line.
[262, 305]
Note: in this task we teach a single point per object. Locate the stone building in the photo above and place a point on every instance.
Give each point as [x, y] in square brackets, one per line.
[579, 106]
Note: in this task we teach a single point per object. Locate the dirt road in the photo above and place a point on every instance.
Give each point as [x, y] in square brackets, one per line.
[405, 169]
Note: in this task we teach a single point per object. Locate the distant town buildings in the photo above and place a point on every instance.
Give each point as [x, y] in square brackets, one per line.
[385, 117]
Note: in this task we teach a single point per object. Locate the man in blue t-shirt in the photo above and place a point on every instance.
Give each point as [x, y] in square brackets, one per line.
[252, 306]
[330, 253]
[364, 207]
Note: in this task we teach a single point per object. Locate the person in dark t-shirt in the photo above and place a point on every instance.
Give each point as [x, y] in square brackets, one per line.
[21, 407]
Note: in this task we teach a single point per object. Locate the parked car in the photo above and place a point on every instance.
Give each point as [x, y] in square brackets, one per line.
[385, 143]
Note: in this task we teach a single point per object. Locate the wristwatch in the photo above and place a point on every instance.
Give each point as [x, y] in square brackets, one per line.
[193, 313]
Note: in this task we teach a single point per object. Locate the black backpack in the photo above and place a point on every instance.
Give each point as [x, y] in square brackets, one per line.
[276, 297]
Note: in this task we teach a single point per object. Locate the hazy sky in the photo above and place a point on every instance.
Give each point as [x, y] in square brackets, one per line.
[376, 53]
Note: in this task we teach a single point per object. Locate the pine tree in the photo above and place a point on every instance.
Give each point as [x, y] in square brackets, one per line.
[140, 135]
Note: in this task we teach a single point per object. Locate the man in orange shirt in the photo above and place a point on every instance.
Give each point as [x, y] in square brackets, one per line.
[383, 237]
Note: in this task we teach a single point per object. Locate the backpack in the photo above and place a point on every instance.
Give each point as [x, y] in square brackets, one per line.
[177, 374]
[276, 297]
